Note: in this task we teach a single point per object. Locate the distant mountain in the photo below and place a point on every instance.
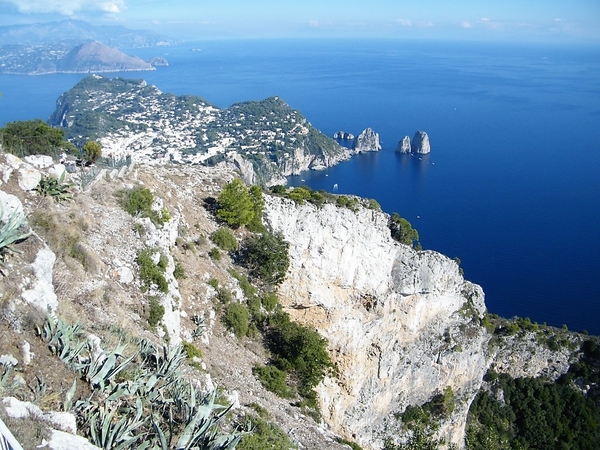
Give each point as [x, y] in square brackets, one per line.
[77, 32]
[63, 57]
[95, 57]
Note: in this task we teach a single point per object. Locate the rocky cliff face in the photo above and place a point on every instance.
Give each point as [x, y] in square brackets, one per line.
[403, 325]
[420, 143]
[367, 141]
[404, 145]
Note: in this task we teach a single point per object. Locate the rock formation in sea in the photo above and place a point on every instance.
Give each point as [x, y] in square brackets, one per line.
[367, 141]
[420, 143]
[404, 145]
[343, 136]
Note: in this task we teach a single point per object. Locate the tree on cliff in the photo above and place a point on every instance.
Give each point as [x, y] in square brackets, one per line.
[402, 230]
[236, 207]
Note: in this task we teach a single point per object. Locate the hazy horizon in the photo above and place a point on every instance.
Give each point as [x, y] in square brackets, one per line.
[511, 20]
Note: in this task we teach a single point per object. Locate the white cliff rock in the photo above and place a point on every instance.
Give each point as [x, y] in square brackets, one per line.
[404, 145]
[40, 293]
[402, 325]
[420, 143]
[367, 141]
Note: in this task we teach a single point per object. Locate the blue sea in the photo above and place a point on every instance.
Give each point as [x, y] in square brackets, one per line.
[512, 184]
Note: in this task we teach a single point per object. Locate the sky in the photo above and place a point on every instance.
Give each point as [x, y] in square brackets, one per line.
[527, 20]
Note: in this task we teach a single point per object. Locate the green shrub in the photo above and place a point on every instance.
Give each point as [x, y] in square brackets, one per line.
[150, 272]
[179, 271]
[299, 195]
[264, 436]
[224, 239]
[191, 350]
[278, 189]
[224, 296]
[215, 254]
[236, 319]
[156, 311]
[266, 257]
[270, 301]
[274, 380]
[138, 202]
[214, 283]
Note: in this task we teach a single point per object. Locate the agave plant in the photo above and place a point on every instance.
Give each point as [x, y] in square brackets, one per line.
[54, 187]
[155, 408]
[10, 231]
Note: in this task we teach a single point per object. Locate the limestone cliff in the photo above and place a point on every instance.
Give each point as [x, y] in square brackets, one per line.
[420, 143]
[367, 141]
[404, 145]
[402, 324]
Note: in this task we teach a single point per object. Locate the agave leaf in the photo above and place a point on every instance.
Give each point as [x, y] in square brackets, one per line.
[99, 377]
[69, 396]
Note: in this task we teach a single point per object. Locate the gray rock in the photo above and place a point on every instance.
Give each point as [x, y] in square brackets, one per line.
[343, 135]
[367, 141]
[404, 145]
[420, 143]
[28, 178]
[39, 161]
[41, 292]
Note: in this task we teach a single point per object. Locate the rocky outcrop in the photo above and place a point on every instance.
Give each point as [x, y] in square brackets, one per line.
[404, 145]
[343, 136]
[367, 141]
[402, 325]
[420, 143]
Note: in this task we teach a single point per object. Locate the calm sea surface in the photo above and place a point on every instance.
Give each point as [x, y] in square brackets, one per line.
[511, 187]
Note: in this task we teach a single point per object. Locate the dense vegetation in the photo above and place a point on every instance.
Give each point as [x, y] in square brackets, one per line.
[300, 360]
[533, 413]
[34, 137]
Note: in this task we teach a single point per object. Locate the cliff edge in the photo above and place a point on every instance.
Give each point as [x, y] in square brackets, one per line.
[403, 325]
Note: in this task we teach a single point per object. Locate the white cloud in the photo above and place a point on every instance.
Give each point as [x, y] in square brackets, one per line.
[484, 19]
[68, 7]
[466, 25]
[404, 22]
[424, 24]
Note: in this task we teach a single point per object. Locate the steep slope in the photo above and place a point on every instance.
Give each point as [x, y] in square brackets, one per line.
[403, 325]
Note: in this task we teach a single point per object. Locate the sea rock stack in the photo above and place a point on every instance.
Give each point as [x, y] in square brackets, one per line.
[343, 136]
[404, 145]
[367, 141]
[420, 143]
